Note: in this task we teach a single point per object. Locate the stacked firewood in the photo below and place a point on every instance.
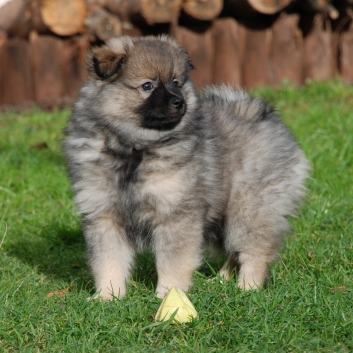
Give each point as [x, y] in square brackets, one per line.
[244, 43]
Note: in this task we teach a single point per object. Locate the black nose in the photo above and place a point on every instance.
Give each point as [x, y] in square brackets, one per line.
[177, 102]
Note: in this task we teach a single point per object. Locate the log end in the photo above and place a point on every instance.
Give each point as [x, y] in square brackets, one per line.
[64, 18]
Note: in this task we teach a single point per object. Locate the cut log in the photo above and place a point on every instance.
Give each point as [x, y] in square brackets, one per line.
[269, 7]
[287, 50]
[256, 65]
[346, 54]
[47, 70]
[318, 61]
[145, 11]
[254, 8]
[160, 11]
[15, 73]
[228, 44]
[103, 25]
[205, 10]
[64, 17]
[199, 45]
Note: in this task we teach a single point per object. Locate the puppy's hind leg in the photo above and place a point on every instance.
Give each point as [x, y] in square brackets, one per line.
[255, 235]
[111, 257]
[253, 271]
[229, 268]
[178, 255]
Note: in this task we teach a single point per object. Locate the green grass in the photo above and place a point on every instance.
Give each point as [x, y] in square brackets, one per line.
[307, 306]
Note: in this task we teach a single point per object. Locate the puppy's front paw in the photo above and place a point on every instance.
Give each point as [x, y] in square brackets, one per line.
[106, 295]
[163, 289]
[250, 285]
[95, 296]
[161, 292]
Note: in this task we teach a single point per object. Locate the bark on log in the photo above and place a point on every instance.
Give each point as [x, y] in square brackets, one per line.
[74, 70]
[199, 45]
[228, 44]
[145, 11]
[346, 54]
[15, 18]
[205, 10]
[128, 29]
[47, 70]
[58, 68]
[318, 61]
[64, 17]
[15, 73]
[256, 65]
[37, 23]
[126, 10]
[322, 6]
[287, 50]
[3, 37]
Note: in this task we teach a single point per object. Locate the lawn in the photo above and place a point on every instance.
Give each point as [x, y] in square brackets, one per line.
[307, 306]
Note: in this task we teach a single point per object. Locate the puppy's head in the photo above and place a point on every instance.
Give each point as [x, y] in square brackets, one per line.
[143, 82]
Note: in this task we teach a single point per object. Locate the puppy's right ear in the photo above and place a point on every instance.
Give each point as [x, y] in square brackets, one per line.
[106, 63]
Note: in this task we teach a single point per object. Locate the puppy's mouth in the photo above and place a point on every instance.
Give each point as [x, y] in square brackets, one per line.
[162, 122]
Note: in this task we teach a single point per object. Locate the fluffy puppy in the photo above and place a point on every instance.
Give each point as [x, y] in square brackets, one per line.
[156, 167]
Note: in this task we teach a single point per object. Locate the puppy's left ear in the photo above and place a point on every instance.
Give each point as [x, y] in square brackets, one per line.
[106, 63]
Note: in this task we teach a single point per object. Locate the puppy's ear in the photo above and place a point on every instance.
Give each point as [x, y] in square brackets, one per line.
[106, 63]
[190, 65]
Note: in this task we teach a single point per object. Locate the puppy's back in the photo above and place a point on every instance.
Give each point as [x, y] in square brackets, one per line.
[259, 149]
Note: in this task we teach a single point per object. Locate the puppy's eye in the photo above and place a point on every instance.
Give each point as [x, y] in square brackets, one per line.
[147, 86]
[175, 83]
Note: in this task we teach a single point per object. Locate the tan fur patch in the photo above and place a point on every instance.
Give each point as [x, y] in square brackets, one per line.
[107, 63]
[165, 192]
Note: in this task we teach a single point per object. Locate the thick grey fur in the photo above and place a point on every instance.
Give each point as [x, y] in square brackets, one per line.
[226, 176]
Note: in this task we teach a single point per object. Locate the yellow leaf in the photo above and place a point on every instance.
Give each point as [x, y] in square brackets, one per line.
[176, 299]
[60, 293]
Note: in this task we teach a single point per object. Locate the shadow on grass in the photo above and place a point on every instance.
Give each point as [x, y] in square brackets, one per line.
[57, 252]
[60, 254]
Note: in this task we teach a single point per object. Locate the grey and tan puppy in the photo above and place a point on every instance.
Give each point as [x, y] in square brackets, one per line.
[155, 166]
